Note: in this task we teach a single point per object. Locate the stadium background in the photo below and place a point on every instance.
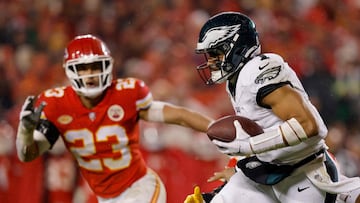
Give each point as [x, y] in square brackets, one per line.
[155, 41]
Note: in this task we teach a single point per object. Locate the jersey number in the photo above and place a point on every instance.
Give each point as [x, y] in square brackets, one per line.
[86, 149]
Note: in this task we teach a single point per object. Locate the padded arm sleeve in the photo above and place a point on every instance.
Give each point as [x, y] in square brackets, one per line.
[287, 134]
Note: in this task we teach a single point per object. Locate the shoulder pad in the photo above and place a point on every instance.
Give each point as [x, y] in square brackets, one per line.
[53, 98]
[263, 69]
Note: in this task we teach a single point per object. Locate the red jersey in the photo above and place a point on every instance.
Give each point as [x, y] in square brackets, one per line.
[105, 139]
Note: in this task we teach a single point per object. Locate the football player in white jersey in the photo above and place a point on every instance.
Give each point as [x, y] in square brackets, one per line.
[289, 162]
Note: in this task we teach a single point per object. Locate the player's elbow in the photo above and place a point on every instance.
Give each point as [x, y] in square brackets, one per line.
[22, 157]
[26, 158]
[19, 151]
[26, 153]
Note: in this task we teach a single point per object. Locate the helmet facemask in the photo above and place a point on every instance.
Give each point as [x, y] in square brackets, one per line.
[233, 60]
[104, 77]
[215, 69]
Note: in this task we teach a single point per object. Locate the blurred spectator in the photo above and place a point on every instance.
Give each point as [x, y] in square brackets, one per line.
[337, 140]
[7, 145]
[61, 175]
[6, 94]
[318, 82]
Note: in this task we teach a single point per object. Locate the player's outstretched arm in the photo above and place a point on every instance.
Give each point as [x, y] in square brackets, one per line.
[186, 117]
[173, 114]
[28, 148]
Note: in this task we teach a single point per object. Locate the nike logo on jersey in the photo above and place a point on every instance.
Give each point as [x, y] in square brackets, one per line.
[262, 67]
[268, 74]
[302, 189]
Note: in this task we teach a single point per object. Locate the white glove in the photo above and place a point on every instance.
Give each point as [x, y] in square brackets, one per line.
[30, 117]
[240, 146]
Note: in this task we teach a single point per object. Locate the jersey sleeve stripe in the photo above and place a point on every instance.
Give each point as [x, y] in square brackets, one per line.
[145, 102]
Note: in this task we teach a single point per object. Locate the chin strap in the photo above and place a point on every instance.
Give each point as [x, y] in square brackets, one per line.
[287, 134]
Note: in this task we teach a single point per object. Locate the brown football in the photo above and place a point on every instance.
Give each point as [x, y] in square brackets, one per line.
[224, 130]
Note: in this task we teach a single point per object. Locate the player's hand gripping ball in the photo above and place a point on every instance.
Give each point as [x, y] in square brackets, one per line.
[231, 135]
[224, 130]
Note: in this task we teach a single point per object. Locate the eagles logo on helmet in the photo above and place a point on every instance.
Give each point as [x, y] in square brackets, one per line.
[230, 34]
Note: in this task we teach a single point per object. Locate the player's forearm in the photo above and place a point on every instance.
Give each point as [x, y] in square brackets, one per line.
[186, 117]
[26, 147]
[287, 134]
[195, 121]
[172, 114]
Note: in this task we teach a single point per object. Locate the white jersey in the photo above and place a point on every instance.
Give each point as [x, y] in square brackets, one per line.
[258, 77]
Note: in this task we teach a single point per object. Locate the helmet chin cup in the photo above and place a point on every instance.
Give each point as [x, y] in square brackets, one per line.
[216, 75]
[90, 92]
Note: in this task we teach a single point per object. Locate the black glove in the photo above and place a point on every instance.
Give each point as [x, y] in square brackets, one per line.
[30, 117]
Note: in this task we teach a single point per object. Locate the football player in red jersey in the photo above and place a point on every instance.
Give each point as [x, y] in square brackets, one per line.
[98, 119]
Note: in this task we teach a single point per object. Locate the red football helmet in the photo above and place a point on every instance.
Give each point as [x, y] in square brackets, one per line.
[85, 49]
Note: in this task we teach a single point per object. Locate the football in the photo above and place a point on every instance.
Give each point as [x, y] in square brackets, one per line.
[224, 130]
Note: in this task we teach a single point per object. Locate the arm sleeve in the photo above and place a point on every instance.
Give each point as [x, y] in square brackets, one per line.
[49, 130]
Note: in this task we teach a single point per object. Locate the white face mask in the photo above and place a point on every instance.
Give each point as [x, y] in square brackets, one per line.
[216, 76]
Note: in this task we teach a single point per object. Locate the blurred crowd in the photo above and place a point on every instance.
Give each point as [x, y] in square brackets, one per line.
[154, 41]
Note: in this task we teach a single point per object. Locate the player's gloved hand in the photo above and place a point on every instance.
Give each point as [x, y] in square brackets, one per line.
[196, 197]
[240, 146]
[30, 117]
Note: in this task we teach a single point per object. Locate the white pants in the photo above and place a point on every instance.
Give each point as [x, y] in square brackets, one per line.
[297, 188]
[148, 189]
[351, 196]
[294, 189]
